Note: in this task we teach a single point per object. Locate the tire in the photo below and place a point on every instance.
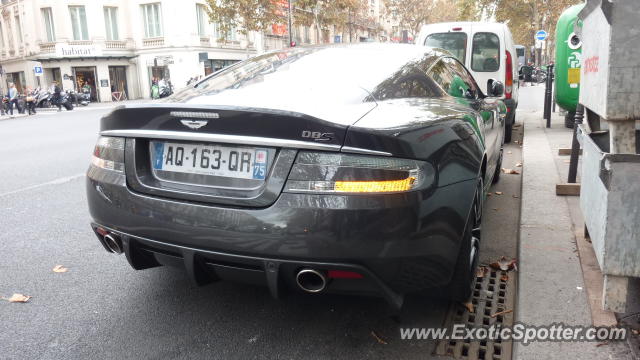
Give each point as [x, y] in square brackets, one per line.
[508, 129]
[461, 284]
[67, 105]
[569, 119]
[496, 174]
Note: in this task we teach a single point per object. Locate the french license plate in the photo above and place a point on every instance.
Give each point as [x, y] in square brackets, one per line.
[210, 159]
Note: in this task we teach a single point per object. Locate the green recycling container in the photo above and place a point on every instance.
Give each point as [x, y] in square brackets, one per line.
[568, 59]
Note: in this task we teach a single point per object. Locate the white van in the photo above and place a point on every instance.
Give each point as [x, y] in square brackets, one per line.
[488, 52]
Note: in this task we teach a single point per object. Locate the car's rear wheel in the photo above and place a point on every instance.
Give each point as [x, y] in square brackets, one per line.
[461, 283]
[508, 128]
[496, 174]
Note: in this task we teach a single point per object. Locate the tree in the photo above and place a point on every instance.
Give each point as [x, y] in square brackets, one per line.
[323, 13]
[525, 17]
[411, 14]
[245, 15]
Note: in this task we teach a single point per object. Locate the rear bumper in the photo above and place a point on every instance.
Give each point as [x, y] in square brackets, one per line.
[398, 242]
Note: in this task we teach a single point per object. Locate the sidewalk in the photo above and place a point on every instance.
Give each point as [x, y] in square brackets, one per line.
[551, 287]
[91, 106]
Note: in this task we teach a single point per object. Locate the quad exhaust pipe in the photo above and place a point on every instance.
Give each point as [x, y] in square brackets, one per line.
[311, 281]
[113, 243]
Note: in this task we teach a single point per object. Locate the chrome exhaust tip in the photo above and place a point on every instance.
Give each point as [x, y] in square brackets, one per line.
[113, 243]
[311, 281]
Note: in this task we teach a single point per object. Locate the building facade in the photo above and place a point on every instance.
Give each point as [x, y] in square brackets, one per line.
[116, 47]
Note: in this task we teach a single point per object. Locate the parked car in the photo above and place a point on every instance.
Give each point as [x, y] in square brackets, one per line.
[356, 169]
[487, 50]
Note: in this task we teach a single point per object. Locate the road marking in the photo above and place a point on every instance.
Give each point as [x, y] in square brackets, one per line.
[58, 181]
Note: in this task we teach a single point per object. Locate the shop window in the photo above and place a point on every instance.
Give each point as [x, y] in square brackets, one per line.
[213, 65]
[152, 16]
[79, 23]
[47, 16]
[111, 22]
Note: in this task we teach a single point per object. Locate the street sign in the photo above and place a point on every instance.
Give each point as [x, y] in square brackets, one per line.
[37, 70]
[541, 35]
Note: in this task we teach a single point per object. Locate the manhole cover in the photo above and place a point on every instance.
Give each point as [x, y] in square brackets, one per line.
[493, 295]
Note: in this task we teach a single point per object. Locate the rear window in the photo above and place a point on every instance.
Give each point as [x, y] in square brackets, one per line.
[453, 42]
[485, 56]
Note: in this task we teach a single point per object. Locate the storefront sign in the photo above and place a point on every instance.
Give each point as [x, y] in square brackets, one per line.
[66, 50]
[104, 83]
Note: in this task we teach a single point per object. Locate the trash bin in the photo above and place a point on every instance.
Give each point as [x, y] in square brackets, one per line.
[568, 62]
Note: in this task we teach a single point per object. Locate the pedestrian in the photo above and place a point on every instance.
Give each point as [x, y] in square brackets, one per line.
[13, 98]
[30, 101]
[56, 95]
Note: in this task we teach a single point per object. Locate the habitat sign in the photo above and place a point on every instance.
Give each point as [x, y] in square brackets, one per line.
[67, 50]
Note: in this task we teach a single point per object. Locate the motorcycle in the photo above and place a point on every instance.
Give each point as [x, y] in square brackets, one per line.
[43, 100]
[164, 88]
[539, 75]
[84, 98]
[66, 101]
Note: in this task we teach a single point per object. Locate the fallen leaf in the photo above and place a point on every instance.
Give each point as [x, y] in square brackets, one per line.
[504, 277]
[602, 344]
[510, 171]
[495, 209]
[18, 298]
[516, 141]
[515, 196]
[60, 269]
[498, 192]
[519, 165]
[378, 338]
[502, 313]
[469, 307]
[489, 194]
[481, 271]
[503, 264]
[516, 125]
[636, 332]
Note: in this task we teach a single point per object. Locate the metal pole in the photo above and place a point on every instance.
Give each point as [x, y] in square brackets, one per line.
[575, 146]
[290, 34]
[547, 96]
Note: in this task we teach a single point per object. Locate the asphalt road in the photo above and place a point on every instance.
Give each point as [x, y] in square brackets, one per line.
[101, 308]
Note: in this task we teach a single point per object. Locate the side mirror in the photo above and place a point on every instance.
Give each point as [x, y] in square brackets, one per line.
[495, 88]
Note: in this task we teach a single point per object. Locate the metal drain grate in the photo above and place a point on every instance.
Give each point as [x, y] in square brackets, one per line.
[492, 294]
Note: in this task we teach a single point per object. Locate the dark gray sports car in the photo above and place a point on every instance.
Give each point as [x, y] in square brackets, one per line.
[353, 169]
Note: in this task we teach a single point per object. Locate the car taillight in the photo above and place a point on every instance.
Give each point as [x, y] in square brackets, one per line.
[508, 81]
[109, 153]
[344, 173]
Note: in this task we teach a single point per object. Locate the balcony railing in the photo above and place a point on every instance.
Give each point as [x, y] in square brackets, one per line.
[81, 42]
[153, 42]
[115, 44]
[47, 47]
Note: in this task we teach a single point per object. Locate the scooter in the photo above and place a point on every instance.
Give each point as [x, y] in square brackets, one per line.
[85, 98]
[43, 100]
[65, 101]
[164, 88]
